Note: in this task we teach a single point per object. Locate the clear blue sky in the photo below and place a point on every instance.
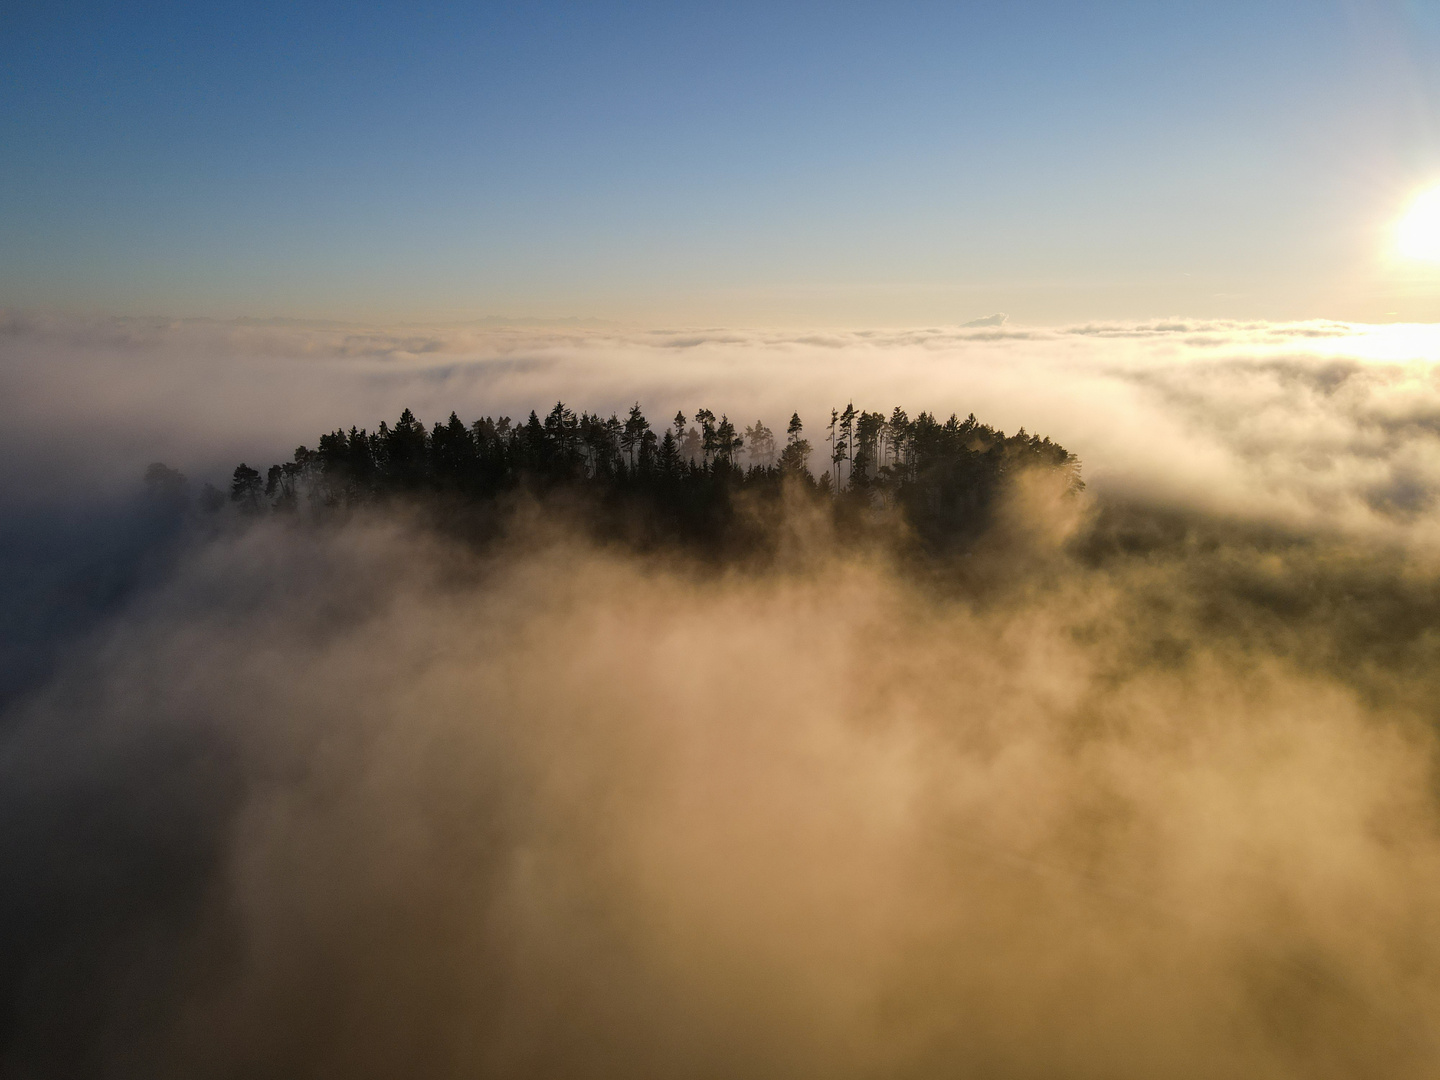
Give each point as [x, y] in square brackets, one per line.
[742, 163]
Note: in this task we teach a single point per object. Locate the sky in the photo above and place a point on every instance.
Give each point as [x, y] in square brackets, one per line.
[738, 164]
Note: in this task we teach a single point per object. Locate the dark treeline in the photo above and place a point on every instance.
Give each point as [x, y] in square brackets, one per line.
[686, 480]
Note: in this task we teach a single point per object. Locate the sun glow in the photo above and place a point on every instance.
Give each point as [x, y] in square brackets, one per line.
[1418, 234]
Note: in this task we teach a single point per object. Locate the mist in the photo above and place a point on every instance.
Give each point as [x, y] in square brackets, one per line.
[1142, 782]
[1319, 425]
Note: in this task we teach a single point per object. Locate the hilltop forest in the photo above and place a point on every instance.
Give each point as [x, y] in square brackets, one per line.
[699, 479]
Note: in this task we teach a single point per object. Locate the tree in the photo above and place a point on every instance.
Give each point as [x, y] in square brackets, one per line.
[275, 484]
[837, 448]
[897, 432]
[691, 446]
[795, 458]
[531, 440]
[245, 486]
[706, 419]
[761, 441]
[669, 454]
[166, 487]
[610, 433]
[636, 428]
[942, 476]
[406, 448]
[847, 429]
[866, 447]
[727, 442]
[562, 439]
[649, 449]
[453, 451]
[362, 456]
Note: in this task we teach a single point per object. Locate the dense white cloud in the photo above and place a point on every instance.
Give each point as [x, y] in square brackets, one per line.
[358, 802]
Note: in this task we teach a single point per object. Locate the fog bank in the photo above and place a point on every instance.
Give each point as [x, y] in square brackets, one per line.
[1318, 425]
[1142, 783]
[358, 802]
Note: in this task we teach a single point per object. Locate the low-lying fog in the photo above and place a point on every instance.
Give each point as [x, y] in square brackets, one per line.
[1147, 787]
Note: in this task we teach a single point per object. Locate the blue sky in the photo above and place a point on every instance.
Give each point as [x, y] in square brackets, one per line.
[827, 163]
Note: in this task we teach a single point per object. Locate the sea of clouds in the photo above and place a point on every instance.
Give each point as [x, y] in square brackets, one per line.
[1146, 785]
[1317, 424]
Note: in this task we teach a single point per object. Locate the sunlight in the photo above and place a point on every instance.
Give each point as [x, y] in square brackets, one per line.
[1418, 234]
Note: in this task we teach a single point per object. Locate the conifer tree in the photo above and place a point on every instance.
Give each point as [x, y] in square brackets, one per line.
[636, 428]
[245, 485]
[943, 476]
[706, 419]
[669, 454]
[761, 442]
[837, 448]
[727, 442]
[691, 448]
[166, 486]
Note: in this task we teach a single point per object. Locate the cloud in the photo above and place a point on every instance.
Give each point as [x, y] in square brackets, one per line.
[1315, 425]
[361, 802]
[1144, 783]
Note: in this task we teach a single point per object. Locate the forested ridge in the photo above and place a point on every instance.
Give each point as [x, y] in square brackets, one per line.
[684, 479]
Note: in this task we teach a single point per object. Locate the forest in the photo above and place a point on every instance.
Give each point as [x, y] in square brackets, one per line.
[688, 481]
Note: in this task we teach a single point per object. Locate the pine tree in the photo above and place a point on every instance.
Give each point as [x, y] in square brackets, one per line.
[837, 448]
[636, 428]
[761, 441]
[847, 430]
[669, 454]
[245, 485]
[727, 442]
[942, 475]
[706, 419]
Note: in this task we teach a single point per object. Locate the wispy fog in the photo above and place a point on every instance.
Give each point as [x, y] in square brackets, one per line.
[1142, 785]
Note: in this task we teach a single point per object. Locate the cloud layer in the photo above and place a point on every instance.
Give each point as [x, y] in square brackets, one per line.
[1140, 786]
[1317, 424]
[358, 802]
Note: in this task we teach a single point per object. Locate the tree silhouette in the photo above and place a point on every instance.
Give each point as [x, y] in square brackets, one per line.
[761, 441]
[795, 458]
[166, 486]
[706, 419]
[245, 486]
[727, 442]
[635, 430]
[941, 476]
